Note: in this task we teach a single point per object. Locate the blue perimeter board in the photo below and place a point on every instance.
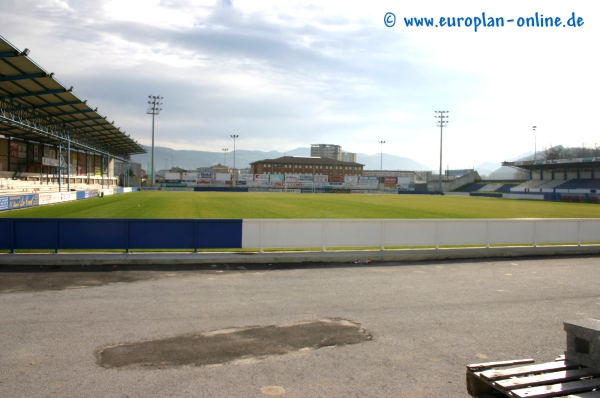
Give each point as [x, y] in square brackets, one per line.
[83, 233]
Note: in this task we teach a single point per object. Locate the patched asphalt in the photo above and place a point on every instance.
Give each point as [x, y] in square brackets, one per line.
[427, 321]
[228, 345]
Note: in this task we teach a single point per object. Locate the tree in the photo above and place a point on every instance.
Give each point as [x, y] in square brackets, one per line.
[554, 152]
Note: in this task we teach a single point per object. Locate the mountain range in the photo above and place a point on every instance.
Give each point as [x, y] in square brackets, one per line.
[166, 158]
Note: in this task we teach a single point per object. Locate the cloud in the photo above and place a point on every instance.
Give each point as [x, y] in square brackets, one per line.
[291, 73]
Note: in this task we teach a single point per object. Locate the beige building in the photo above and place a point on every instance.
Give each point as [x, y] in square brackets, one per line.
[306, 165]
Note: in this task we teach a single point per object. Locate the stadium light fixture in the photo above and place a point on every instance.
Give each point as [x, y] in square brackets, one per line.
[441, 123]
[381, 165]
[153, 109]
[234, 136]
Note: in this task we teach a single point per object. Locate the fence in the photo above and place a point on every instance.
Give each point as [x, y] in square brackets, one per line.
[126, 234]
[406, 233]
[58, 234]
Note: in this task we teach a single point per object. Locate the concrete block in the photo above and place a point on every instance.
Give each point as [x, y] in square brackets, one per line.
[583, 342]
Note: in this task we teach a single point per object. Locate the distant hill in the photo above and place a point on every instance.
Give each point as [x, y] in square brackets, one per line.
[190, 160]
[495, 170]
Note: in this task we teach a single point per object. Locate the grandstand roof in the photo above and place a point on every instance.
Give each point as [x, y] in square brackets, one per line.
[35, 106]
[581, 164]
[308, 160]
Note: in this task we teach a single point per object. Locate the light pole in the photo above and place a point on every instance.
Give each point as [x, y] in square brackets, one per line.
[441, 123]
[534, 144]
[225, 158]
[234, 136]
[381, 143]
[153, 110]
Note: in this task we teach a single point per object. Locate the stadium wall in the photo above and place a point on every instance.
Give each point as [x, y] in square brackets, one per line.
[63, 233]
[406, 233]
[13, 202]
[128, 234]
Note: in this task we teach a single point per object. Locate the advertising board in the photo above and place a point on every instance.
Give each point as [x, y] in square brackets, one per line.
[3, 202]
[292, 177]
[49, 198]
[223, 177]
[351, 179]
[172, 176]
[20, 201]
[245, 177]
[369, 179]
[49, 152]
[18, 150]
[276, 177]
[50, 162]
[321, 178]
[261, 177]
[390, 180]
[67, 196]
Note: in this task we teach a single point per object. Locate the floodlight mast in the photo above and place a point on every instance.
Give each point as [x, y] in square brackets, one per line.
[225, 159]
[441, 123]
[534, 143]
[234, 136]
[153, 109]
[381, 165]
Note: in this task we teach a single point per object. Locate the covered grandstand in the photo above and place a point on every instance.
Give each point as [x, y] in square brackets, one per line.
[51, 140]
[561, 179]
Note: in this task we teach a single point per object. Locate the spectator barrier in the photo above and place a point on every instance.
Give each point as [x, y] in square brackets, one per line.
[405, 233]
[126, 234]
[79, 233]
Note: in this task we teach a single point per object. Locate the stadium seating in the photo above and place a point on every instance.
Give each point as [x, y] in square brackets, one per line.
[583, 183]
[572, 197]
[471, 187]
[482, 187]
[537, 184]
[505, 188]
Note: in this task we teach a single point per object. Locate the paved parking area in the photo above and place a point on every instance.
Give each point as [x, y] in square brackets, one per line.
[426, 322]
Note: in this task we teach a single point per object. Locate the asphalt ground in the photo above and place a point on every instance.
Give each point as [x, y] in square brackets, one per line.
[425, 321]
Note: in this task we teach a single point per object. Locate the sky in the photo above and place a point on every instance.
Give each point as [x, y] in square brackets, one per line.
[284, 74]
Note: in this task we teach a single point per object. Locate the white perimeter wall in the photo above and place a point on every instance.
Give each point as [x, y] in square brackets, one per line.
[386, 233]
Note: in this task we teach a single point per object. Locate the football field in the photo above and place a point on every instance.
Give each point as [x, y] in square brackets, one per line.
[244, 205]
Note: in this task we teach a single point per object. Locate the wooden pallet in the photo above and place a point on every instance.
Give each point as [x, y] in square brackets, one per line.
[561, 378]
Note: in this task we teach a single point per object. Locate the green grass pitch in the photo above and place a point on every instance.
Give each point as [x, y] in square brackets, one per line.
[223, 205]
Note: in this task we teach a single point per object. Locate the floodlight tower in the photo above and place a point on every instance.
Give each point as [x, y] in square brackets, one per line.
[234, 136]
[153, 109]
[381, 143]
[225, 158]
[441, 123]
[534, 143]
